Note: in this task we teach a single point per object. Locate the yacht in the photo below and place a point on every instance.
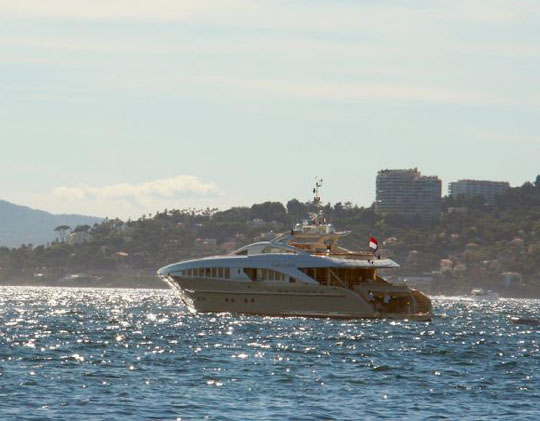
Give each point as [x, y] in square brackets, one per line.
[482, 294]
[303, 272]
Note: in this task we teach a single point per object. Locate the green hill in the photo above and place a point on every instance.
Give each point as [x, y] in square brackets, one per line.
[474, 244]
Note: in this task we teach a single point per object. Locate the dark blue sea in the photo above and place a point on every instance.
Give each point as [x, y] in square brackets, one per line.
[82, 354]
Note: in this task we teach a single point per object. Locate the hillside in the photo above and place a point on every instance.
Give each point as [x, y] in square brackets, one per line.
[473, 244]
[23, 225]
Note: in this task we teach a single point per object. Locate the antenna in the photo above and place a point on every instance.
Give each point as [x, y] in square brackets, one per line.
[317, 198]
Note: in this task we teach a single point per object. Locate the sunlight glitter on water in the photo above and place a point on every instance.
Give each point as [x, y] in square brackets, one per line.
[68, 353]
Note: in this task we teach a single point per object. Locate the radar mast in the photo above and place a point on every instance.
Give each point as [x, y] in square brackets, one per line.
[317, 216]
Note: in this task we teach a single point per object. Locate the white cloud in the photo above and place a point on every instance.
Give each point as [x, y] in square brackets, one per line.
[127, 200]
[312, 50]
[275, 13]
[137, 10]
[195, 44]
[167, 188]
[358, 92]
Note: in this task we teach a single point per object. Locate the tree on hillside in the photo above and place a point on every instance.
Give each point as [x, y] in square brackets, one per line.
[62, 229]
[269, 211]
[297, 208]
[235, 214]
[84, 228]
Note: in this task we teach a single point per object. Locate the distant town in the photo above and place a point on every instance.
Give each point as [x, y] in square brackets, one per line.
[409, 193]
[482, 234]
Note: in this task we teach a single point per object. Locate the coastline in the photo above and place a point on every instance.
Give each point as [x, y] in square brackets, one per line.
[144, 279]
[101, 279]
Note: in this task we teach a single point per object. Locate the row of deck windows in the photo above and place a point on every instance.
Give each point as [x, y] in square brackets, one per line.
[256, 274]
[224, 273]
[340, 276]
[278, 250]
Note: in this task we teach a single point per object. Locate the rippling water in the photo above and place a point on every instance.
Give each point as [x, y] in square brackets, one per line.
[138, 354]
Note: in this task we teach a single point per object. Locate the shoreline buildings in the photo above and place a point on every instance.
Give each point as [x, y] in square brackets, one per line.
[471, 188]
[408, 193]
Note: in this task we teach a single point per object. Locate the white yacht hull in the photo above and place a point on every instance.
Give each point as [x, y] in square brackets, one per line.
[294, 299]
[479, 294]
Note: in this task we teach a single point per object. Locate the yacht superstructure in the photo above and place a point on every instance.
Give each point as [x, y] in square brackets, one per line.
[301, 273]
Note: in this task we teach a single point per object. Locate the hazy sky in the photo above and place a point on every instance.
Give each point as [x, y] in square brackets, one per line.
[123, 107]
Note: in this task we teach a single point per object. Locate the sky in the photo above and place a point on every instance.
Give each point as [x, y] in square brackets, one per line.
[120, 108]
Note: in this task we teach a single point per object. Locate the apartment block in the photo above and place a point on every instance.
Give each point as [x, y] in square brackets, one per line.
[408, 193]
[470, 188]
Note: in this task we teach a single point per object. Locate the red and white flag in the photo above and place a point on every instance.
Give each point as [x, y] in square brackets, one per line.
[373, 244]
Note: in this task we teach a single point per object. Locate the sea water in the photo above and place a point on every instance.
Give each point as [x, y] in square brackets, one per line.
[139, 354]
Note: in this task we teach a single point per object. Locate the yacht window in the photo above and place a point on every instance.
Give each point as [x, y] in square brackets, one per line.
[220, 272]
[242, 253]
[291, 279]
[251, 273]
[341, 276]
[227, 273]
[207, 272]
[265, 274]
[270, 249]
[214, 273]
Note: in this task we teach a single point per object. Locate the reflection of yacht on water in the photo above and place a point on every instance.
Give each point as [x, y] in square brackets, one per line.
[300, 273]
[482, 294]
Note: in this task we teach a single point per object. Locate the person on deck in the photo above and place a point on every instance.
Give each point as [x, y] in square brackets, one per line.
[386, 301]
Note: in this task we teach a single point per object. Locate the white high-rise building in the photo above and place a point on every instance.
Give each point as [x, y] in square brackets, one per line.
[408, 193]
